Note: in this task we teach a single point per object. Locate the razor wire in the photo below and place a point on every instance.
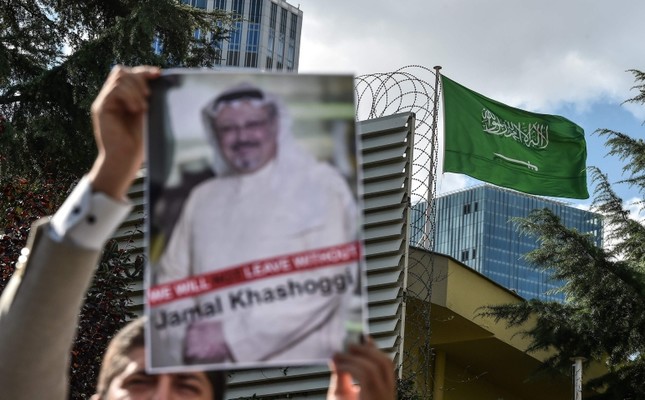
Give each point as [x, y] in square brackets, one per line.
[412, 88]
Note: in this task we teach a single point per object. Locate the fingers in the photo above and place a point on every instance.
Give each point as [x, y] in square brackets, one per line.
[371, 367]
[117, 116]
[341, 385]
[126, 89]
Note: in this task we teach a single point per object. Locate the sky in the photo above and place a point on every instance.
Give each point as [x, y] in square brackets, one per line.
[560, 57]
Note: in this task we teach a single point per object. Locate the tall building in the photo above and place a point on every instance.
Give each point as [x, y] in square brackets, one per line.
[475, 227]
[267, 38]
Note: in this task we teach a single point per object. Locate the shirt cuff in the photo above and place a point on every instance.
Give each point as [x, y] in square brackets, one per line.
[88, 218]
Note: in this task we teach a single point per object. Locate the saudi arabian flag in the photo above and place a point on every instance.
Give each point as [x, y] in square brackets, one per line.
[533, 153]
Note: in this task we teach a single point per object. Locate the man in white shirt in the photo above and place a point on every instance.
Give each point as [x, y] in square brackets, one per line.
[40, 305]
[270, 198]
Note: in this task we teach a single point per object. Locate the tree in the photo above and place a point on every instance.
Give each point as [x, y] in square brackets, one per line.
[603, 318]
[54, 57]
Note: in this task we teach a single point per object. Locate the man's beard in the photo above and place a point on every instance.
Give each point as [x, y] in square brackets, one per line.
[241, 162]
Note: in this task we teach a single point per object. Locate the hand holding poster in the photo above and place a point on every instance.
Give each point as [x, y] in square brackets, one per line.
[253, 238]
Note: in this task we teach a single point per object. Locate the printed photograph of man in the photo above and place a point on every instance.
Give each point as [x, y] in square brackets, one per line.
[286, 221]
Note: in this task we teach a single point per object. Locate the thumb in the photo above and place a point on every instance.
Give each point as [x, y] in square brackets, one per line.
[341, 385]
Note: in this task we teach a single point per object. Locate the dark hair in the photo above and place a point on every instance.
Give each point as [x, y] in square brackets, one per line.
[132, 337]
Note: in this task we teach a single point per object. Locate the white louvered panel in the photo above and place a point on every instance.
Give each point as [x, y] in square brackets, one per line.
[383, 278]
[386, 200]
[383, 248]
[130, 241]
[387, 193]
[383, 326]
[384, 294]
[371, 142]
[137, 189]
[383, 311]
[385, 216]
[276, 381]
[391, 184]
[305, 386]
[257, 375]
[379, 171]
[385, 263]
[379, 126]
[135, 218]
[391, 230]
[128, 231]
[130, 237]
[391, 152]
[385, 342]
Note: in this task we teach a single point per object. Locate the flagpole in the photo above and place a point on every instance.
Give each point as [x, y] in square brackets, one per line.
[433, 159]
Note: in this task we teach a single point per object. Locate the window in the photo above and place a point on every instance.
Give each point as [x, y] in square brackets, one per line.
[293, 28]
[291, 49]
[253, 34]
[196, 3]
[466, 208]
[238, 7]
[281, 39]
[219, 44]
[233, 54]
[255, 11]
[283, 20]
[464, 255]
[251, 60]
[233, 58]
[274, 15]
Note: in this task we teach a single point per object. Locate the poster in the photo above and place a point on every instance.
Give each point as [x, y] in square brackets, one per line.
[253, 228]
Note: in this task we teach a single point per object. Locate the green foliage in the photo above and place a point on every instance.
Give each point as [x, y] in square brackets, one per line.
[603, 318]
[21, 203]
[55, 55]
[405, 390]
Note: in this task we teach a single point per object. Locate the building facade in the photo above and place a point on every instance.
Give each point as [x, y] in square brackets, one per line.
[267, 37]
[475, 227]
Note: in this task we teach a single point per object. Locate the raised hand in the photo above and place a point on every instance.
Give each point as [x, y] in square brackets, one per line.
[118, 113]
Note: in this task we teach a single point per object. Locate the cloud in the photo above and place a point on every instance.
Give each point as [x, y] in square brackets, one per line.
[449, 182]
[636, 209]
[537, 55]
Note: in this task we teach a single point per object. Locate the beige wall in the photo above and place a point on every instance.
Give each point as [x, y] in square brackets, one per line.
[472, 357]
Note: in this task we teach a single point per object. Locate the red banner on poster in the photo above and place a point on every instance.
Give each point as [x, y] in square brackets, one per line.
[287, 264]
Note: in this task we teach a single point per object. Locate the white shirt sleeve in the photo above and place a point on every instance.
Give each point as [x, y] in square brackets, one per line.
[88, 218]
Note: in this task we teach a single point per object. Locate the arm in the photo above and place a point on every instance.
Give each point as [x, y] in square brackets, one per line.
[368, 365]
[38, 317]
[40, 305]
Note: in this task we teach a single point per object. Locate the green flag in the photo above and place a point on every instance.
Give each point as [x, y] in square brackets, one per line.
[532, 153]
